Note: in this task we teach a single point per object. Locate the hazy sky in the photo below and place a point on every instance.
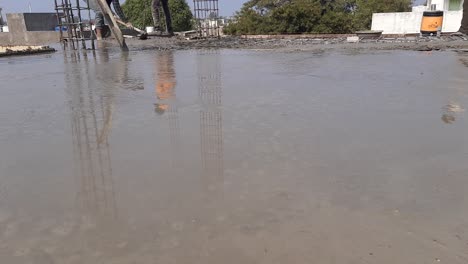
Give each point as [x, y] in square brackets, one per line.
[227, 7]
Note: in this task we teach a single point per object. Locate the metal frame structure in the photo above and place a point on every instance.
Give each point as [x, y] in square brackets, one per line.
[207, 15]
[69, 15]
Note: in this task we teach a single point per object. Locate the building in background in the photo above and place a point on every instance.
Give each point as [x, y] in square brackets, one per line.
[410, 22]
[30, 29]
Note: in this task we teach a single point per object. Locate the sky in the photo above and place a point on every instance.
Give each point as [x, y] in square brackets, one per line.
[227, 7]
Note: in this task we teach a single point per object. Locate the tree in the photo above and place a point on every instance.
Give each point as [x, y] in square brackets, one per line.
[304, 16]
[276, 16]
[182, 18]
[296, 17]
[365, 9]
[138, 13]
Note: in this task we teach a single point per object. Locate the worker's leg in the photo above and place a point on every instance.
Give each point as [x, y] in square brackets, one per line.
[99, 23]
[464, 23]
[156, 12]
[167, 14]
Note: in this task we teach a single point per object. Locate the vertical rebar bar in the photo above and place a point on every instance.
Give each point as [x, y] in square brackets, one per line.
[59, 19]
[81, 36]
[92, 36]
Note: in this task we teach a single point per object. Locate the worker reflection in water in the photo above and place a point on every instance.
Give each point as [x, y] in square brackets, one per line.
[99, 21]
[156, 11]
[450, 112]
[166, 82]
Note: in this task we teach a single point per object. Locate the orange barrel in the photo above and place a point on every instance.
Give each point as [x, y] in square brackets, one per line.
[431, 22]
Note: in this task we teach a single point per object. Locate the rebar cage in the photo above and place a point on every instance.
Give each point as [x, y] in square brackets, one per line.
[207, 17]
[73, 29]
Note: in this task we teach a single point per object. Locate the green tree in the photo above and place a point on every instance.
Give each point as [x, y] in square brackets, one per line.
[182, 18]
[276, 16]
[296, 17]
[337, 17]
[303, 16]
[365, 8]
[138, 12]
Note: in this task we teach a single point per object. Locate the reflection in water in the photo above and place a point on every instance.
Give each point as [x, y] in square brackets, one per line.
[166, 80]
[91, 125]
[464, 60]
[92, 99]
[450, 111]
[448, 118]
[211, 120]
[304, 183]
[166, 99]
[453, 108]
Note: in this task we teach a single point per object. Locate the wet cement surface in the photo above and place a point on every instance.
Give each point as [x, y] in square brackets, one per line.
[310, 43]
[234, 157]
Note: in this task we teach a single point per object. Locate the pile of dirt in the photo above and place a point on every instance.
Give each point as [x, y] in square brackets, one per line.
[23, 50]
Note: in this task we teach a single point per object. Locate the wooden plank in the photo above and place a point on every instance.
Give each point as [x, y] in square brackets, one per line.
[107, 12]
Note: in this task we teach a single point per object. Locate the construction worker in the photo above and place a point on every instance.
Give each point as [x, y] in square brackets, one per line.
[156, 11]
[99, 22]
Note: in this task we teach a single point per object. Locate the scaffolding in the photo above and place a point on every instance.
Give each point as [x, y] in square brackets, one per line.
[207, 17]
[73, 29]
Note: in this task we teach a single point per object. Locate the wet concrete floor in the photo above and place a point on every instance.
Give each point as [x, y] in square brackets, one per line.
[234, 157]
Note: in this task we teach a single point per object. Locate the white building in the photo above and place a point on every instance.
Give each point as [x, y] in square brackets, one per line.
[410, 22]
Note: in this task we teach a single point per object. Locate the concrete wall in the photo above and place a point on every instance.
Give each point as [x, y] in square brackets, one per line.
[30, 38]
[40, 21]
[410, 22]
[5, 38]
[452, 21]
[397, 23]
[16, 23]
[19, 35]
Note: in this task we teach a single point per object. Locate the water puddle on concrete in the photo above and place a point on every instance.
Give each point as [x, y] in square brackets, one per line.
[234, 157]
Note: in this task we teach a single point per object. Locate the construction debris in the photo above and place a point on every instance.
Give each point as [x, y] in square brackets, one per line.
[24, 50]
